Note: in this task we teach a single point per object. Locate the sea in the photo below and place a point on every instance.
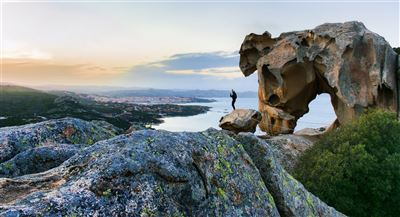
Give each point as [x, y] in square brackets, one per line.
[321, 114]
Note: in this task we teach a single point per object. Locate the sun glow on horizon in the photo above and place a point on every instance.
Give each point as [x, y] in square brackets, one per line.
[136, 44]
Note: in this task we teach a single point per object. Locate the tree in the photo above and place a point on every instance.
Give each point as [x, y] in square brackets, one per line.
[397, 50]
[356, 168]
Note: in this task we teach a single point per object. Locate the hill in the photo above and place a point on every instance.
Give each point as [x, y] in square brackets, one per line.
[24, 105]
[23, 100]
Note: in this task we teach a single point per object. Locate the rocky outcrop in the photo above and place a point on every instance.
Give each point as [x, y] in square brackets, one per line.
[159, 173]
[355, 66]
[147, 173]
[288, 149]
[313, 134]
[290, 196]
[241, 120]
[14, 140]
[37, 160]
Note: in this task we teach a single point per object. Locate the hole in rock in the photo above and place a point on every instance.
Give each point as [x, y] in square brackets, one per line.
[320, 114]
[273, 100]
[272, 121]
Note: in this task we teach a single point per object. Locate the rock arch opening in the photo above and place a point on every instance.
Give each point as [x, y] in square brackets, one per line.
[320, 114]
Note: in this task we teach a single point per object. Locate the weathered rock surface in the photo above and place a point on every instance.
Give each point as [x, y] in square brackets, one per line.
[355, 66]
[241, 120]
[312, 133]
[289, 148]
[290, 196]
[159, 173]
[14, 140]
[146, 173]
[37, 160]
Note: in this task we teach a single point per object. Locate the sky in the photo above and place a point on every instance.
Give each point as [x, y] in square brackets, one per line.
[174, 45]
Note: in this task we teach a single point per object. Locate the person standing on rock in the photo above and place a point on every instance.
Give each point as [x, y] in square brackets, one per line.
[233, 95]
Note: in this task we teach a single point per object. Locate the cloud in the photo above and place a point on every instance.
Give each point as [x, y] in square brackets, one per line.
[220, 72]
[28, 54]
[40, 71]
[212, 70]
[190, 61]
[197, 61]
[14, 49]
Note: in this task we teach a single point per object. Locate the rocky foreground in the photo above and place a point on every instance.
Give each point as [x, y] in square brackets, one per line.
[70, 167]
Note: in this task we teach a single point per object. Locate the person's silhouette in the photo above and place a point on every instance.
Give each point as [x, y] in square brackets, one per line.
[233, 95]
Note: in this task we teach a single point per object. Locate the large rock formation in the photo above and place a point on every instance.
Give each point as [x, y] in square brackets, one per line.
[241, 120]
[355, 66]
[159, 173]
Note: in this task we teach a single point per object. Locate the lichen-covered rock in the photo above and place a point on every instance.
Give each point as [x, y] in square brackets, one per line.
[355, 66]
[290, 196]
[37, 160]
[14, 140]
[241, 120]
[154, 173]
[146, 173]
[288, 149]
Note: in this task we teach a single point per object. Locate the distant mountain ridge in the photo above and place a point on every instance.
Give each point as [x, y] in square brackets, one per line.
[114, 91]
[177, 93]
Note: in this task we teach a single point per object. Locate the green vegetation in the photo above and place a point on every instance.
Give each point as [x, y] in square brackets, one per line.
[22, 105]
[22, 101]
[356, 168]
[397, 50]
[146, 211]
[107, 193]
[8, 166]
[221, 193]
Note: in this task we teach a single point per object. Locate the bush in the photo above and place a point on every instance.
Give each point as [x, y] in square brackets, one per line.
[356, 168]
[397, 50]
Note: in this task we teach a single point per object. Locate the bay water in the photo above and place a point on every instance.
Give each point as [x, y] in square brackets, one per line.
[321, 114]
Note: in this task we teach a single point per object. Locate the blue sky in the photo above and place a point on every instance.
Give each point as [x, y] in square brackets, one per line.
[168, 45]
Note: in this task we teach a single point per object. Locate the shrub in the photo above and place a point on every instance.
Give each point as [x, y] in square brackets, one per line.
[356, 168]
[397, 50]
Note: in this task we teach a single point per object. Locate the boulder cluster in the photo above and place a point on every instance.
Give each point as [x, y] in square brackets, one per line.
[70, 167]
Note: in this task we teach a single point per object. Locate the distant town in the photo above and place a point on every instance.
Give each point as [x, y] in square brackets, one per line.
[150, 100]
